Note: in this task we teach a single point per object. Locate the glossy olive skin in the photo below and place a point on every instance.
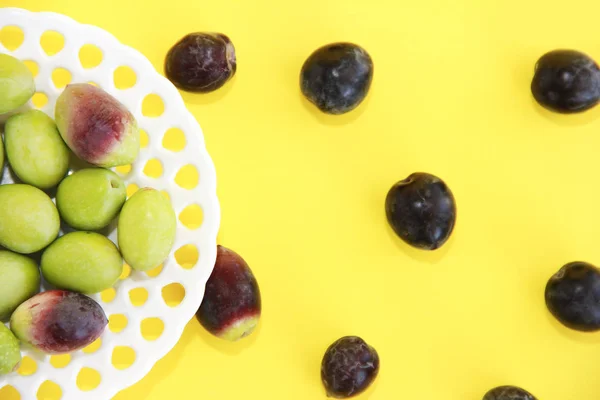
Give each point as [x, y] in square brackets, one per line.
[16, 83]
[508, 393]
[10, 351]
[201, 62]
[96, 126]
[421, 210]
[146, 229]
[573, 296]
[566, 81]
[58, 321]
[231, 306]
[349, 367]
[337, 77]
[21, 280]
[35, 150]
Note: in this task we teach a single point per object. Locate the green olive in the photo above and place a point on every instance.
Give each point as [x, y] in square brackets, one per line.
[146, 229]
[84, 262]
[35, 150]
[23, 281]
[90, 198]
[10, 352]
[29, 220]
[16, 83]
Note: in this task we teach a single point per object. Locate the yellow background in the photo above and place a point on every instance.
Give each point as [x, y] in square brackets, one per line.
[302, 194]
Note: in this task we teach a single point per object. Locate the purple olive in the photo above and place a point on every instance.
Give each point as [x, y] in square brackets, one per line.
[231, 305]
[349, 367]
[201, 62]
[421, 210]
[566, 81]
[573, 296]
[508, 393]
[58, 321]
[336, 78]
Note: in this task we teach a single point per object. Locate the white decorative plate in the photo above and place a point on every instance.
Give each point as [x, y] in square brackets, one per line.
[192, 157]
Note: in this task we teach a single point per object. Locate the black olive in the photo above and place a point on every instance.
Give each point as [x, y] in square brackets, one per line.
[573, 296]
[508, 393]
[421, 210]
[201, 62]
[337, 77]
[566, 81]
[349, 367]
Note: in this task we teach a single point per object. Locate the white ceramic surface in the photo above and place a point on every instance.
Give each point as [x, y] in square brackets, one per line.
[175, 115]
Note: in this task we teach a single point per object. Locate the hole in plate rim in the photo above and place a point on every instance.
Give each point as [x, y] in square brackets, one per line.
[173, 287]
[121, 324]
[126, 352]
[191, 216]
[148, 335]
[153, 101]
[182, 252]
[63, 360]
[27, 366]
[89, 49]
[154, 168]
[21, 37]
[60, 74]
[140, 292]
[57, 34]
[50, 385]
[91, 373]
[124, 73]
[174, 140]
[187, 174]
[40, 99]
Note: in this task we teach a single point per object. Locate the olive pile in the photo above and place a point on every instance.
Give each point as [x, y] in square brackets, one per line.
[420, 209]
[98, 129]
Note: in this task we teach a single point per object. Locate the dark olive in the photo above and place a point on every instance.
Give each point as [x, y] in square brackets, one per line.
[231, 305]
[201, 62]
[349, 367]
[573, 296]
[421, 210]
[566, 81]
[508, 393]
[337, 77]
